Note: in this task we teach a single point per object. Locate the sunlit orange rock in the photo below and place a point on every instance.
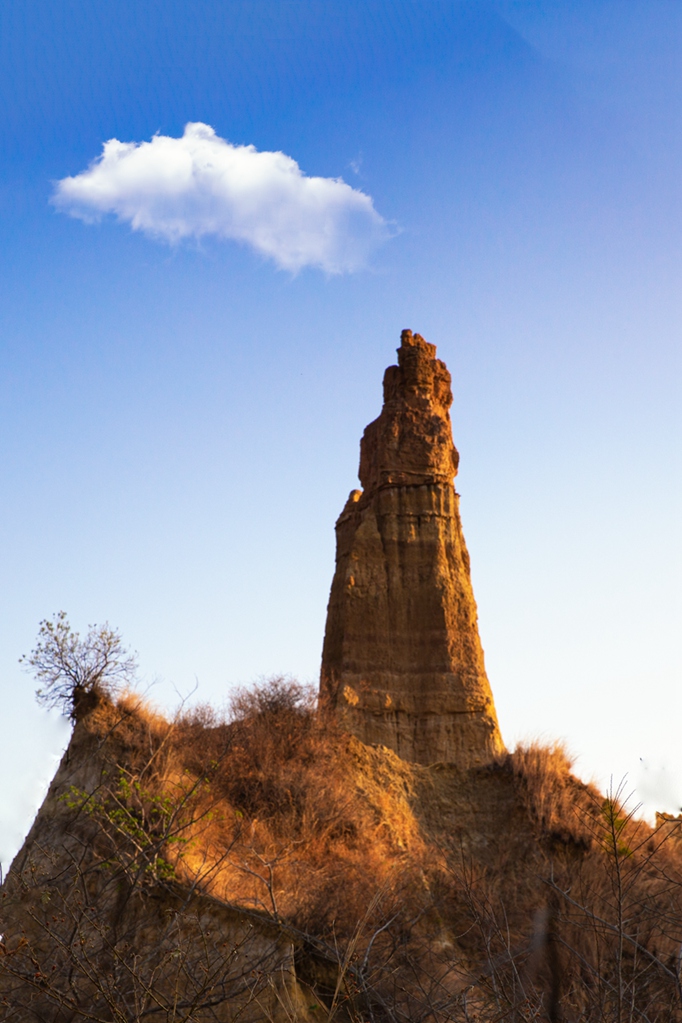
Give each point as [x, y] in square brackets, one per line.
[402, 659]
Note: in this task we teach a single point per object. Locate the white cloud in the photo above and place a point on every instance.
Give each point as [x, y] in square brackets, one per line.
[200, 184]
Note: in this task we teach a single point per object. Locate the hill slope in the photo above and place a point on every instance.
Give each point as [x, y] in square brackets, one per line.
[273, 867]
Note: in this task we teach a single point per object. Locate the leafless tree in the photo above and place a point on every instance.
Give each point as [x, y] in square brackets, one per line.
[70, 669]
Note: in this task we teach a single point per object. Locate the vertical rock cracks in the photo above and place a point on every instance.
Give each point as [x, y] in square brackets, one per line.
[402, 660]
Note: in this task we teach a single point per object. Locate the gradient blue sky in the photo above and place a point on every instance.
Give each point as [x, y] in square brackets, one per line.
[179, 426]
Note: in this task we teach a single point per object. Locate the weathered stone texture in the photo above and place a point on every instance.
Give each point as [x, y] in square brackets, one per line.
[402, 659]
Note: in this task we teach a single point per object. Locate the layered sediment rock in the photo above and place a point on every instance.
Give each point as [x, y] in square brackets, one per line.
[402, 659]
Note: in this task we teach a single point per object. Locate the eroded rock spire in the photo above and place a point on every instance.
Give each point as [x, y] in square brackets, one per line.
[402, 659]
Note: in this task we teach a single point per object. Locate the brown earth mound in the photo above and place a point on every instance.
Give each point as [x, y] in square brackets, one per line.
[270, 867]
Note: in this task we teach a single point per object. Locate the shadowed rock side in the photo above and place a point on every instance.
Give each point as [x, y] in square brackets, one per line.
[402, 660]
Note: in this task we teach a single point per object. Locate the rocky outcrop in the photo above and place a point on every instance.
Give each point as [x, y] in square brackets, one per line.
[402, 660]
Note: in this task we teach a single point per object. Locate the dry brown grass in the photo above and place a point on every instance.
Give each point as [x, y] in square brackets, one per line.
[567, 908]
[556, 801]
[271, 806]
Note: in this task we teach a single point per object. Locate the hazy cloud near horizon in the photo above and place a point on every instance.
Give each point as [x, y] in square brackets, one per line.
[201, 185]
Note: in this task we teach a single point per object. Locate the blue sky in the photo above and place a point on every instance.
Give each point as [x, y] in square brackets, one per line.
[179, 423]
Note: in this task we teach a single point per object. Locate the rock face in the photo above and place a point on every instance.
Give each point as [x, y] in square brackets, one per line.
[402, 660]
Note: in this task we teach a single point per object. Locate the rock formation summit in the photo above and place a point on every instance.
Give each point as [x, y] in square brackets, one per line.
[402, 660]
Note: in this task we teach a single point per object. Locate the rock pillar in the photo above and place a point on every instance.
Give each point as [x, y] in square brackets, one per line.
[402, 660]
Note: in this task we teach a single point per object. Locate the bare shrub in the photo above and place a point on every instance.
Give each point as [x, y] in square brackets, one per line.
[73, 672]
[277, 695]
